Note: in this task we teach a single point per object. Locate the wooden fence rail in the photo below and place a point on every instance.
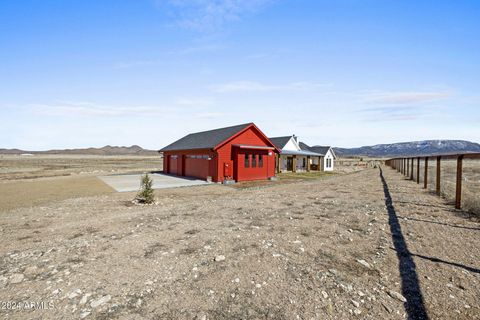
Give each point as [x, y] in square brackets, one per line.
[405, 165]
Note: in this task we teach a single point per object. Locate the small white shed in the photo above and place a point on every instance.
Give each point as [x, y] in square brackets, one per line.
[329, 156]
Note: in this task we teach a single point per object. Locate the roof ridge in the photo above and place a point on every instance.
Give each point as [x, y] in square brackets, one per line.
[206, 139]
[238, 125]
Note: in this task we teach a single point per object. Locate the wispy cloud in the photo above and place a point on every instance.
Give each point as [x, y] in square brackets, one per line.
[402, 98]
[194, 102]
[251, 86]
[197, 107]
[398, 113]
[210, 15]
[208, 115]
[91, 109]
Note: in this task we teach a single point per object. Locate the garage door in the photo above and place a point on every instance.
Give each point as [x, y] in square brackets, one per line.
[173, 165]
[197, 166]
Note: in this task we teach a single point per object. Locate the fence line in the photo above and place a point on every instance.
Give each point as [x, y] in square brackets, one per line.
[405, 165]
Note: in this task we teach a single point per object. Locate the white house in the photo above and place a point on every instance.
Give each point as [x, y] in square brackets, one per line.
[329, 155]
[293, 158]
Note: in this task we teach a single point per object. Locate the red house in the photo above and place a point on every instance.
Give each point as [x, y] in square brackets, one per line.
[237, 153]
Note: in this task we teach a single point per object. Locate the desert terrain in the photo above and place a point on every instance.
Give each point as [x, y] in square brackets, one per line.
[39, 179]
[353, 245]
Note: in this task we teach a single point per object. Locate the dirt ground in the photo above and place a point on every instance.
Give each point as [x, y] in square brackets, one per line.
[327, 248]
[35, 180]
[26, 193]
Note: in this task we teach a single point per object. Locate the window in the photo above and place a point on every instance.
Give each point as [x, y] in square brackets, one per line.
[260, 160]
[304, 162]
[254, 160]
[329, 163]
[197, 156]
[247, 160]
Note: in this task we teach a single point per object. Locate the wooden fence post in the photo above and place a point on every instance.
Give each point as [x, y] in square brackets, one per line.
[437, 186]
[418, 170]
[458, 194]
[411, 171]
[425, 175]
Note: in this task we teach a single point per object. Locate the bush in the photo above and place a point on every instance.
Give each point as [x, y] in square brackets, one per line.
[145, 195]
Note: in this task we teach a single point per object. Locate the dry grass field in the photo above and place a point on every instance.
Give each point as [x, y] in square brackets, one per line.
[34, 180]
[324, 246]
[470, 182]
[15, 167]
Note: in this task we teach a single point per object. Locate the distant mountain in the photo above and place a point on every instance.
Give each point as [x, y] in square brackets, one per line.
[415, 148]
[107, 151]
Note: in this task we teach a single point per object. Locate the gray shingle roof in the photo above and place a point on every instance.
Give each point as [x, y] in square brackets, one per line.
[320, 149]
[303, 146]
[280, 142]
[205, 139]
[301, 153]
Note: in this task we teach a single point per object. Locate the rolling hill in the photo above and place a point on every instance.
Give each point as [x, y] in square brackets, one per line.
[107, 151]
[414, 148]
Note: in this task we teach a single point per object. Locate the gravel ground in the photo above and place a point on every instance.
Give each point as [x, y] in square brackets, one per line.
[331, 248]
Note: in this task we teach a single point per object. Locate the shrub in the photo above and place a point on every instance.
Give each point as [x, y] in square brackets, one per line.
[145, 195]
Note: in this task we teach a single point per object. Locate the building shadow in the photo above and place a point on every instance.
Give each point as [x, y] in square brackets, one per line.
[414, 306]
[437, 260]
[441, 223]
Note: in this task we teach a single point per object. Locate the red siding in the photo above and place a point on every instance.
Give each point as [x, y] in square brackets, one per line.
[252, 172]
[227, 155]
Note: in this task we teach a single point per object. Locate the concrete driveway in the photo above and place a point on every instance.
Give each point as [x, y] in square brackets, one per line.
[131, 182]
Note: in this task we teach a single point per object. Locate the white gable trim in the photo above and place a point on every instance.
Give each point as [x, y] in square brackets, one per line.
[291, 145]
[328, 160]
[333, 153]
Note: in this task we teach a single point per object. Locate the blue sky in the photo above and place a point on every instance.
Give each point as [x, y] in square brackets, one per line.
[344, 73]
